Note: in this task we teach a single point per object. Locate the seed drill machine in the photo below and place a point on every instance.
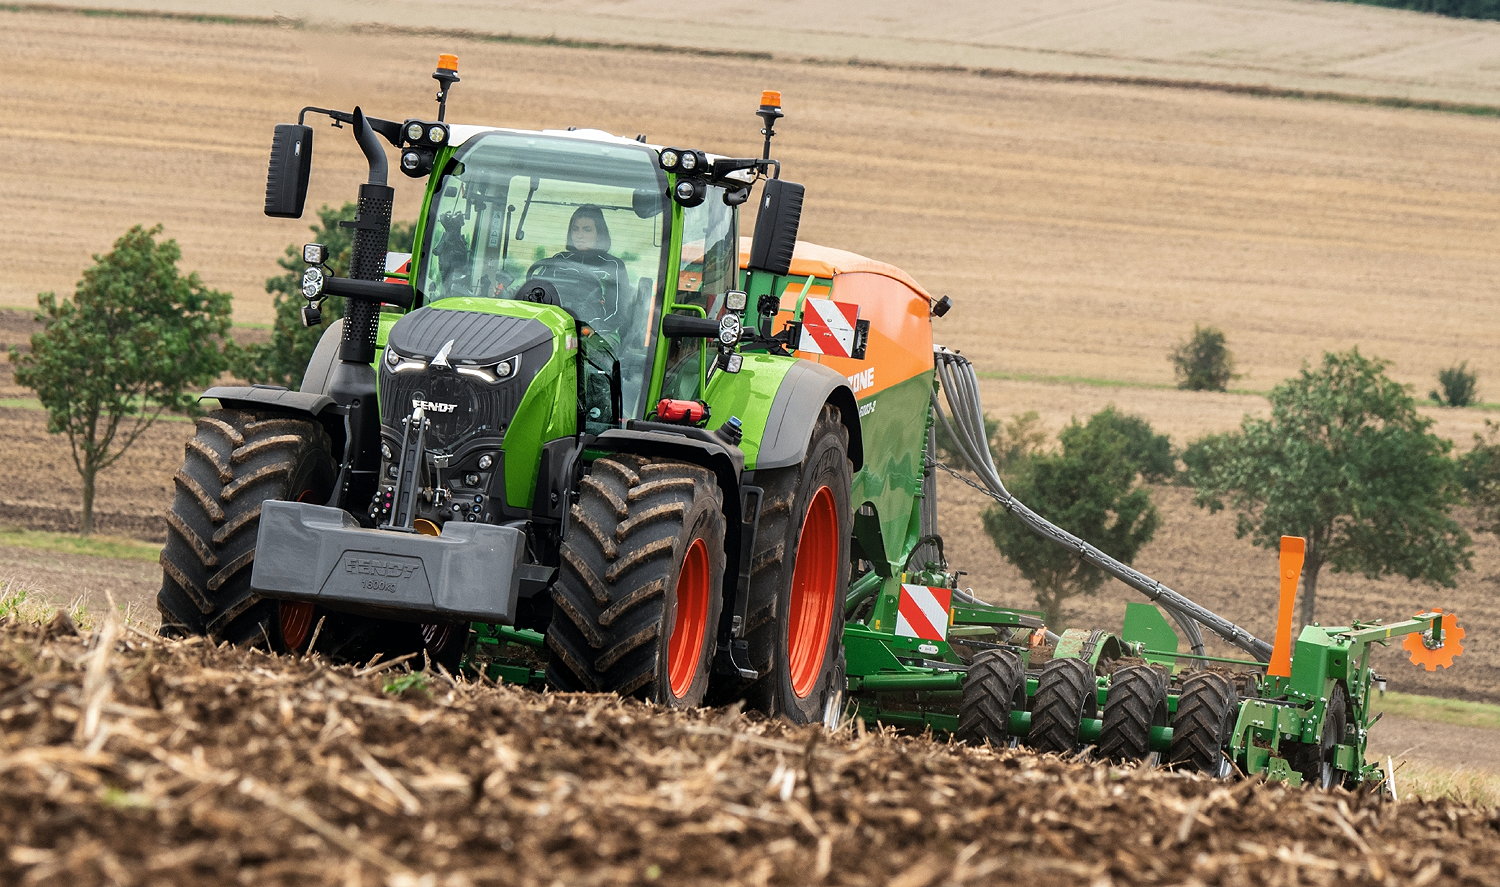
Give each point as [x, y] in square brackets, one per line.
[583, 436]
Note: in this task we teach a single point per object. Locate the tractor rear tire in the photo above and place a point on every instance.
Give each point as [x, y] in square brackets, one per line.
[994, 687]
[1136, 702]
[799, 573]
[1206, 712]
[235, 462]
[637, 601]
[1065, 695]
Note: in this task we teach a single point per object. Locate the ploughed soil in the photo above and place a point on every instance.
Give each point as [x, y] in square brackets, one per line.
[127, 759]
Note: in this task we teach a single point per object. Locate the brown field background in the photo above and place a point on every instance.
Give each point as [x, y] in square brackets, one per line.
[1081, 228]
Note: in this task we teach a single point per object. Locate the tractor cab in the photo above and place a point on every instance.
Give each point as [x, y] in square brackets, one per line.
[583, 221]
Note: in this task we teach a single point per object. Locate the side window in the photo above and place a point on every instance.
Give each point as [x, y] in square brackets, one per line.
[710, 253]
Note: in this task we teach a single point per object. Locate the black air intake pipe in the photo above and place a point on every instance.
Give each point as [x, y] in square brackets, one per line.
[372, 233]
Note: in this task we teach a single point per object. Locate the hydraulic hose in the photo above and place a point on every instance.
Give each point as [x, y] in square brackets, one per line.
[961, 389]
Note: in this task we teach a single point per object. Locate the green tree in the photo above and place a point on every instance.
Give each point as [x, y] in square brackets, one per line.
[1203, 362]
[1145, 451]
[1479, 474]
[1458, 386]
[1087, 487]
[283, 359]
[136, 340]
[1346, 462]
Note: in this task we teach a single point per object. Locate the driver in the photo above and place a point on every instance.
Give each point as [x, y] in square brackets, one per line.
[588, 250]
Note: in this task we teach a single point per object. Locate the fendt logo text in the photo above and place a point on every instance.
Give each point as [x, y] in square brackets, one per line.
[433, 406]
[383, 569]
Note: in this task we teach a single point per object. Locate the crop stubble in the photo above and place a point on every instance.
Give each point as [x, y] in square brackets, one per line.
[131, 760]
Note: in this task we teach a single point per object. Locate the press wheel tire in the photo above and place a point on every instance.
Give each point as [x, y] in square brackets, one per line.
[1065, 695]
[636, 605]
[235, 461]
[1206, 712]
[994, 687]
[1315, 762]
[1136, 702]
[799, 573]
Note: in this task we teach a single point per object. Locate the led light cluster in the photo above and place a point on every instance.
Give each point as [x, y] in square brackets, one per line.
[491, 374]
[423, 139]
[691, 167]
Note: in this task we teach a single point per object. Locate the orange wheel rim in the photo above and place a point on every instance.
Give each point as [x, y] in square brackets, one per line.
[295, 619]
[814, 593]
[690, 627]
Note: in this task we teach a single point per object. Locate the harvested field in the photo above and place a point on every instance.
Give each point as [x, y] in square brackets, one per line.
[129, 760]
[1082, 229]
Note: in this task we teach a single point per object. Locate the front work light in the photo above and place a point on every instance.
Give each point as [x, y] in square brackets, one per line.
[315, 254]
[417, 162]
[735, 300]
[312, 283]
[414, 131]
[669, 159]
[689, 192]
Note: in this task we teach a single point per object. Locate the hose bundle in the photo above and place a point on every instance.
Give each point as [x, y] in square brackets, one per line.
[961, 389]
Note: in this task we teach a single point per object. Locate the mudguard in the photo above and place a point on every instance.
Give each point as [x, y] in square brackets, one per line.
[324, 358]
[804, 390]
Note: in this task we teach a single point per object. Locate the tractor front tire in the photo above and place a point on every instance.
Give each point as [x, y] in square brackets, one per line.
[799, 573]
[637, 601]
[234, 463]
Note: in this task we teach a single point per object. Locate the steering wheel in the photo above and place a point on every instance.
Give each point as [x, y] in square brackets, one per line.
[580, 290]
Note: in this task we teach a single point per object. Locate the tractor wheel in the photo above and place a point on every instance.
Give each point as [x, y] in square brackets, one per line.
[1065, 695]
[235, 462]
[636, 605]
[799, 572]
[1315, 761]
[994, 687]
[1206, 712]
[1136, 702]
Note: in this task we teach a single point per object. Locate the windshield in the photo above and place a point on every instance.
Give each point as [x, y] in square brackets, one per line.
[568, 222]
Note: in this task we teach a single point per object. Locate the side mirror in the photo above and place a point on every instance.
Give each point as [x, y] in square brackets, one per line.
[286, 177]
[776, 227]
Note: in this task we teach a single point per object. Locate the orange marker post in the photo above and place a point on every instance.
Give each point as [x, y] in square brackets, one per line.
[1293, 551]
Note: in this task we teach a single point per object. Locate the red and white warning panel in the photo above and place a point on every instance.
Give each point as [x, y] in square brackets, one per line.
[828, 327]
[922, 612]
[397, 263]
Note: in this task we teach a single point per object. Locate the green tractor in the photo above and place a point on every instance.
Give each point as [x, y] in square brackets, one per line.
[585, 437]
[564, 422]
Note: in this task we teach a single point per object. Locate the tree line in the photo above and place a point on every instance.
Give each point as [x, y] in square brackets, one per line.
[1477, 9]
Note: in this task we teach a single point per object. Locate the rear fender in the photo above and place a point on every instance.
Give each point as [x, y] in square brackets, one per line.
[799, 399]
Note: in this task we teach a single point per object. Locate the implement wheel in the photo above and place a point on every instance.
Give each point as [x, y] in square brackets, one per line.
[235, 462]
[1206, 712]
[1065, 695]
[994, 687]
[1136, 702]
[799, 572]
[1315, 761]
[636, 605]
